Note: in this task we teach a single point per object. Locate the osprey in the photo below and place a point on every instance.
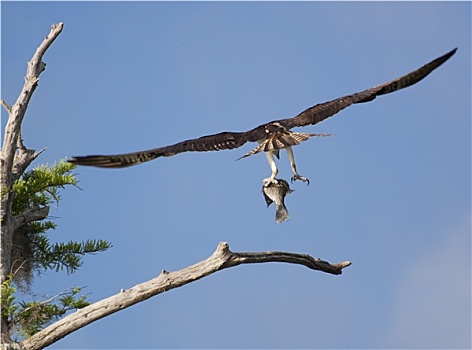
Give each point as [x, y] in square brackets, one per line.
[272, 136]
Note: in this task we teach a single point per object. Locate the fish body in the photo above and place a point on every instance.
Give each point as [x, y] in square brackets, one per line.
[276, 192]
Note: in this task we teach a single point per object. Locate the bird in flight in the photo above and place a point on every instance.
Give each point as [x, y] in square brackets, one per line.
[272, 136]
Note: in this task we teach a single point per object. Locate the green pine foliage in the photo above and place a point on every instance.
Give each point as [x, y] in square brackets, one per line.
[33, 253]
[28, 318]
[40, 186]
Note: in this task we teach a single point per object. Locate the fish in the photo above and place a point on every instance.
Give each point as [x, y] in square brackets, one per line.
[276, 192]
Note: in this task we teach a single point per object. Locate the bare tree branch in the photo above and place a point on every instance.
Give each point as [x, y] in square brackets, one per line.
[30, 215]
[6, 106]
[23, 158]
[291, 258]
[221, 259]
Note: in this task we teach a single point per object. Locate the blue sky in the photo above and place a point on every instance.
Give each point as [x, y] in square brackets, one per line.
[389, 192]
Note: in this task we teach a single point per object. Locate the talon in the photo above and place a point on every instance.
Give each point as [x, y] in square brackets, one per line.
[299, 177]
[269, 181]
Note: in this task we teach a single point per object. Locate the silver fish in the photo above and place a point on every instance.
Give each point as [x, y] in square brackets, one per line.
[276, 192]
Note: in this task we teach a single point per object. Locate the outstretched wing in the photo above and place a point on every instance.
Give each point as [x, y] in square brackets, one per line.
[217, 142]
[230, 140]
[325, 110]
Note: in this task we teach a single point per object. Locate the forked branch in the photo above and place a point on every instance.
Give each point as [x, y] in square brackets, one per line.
[17, 111]
[221, 259]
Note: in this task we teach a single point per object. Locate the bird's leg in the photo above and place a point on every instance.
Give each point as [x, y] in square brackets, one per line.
[296, 175]
[273, 166]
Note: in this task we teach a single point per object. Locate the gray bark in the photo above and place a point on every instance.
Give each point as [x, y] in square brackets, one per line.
[15, 158]
[221, 259]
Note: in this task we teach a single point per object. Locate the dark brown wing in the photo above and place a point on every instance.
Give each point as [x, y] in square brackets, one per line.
[325, 110]
[230, 140]
[217, 142]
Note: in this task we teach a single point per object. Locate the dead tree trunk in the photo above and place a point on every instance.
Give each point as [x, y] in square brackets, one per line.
[14, 159]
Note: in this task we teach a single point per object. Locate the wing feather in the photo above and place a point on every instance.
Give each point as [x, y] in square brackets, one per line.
[216, 142]
[230, 140]
[325, 110]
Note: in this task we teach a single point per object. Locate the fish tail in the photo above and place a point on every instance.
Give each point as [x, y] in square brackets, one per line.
[281, 213]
